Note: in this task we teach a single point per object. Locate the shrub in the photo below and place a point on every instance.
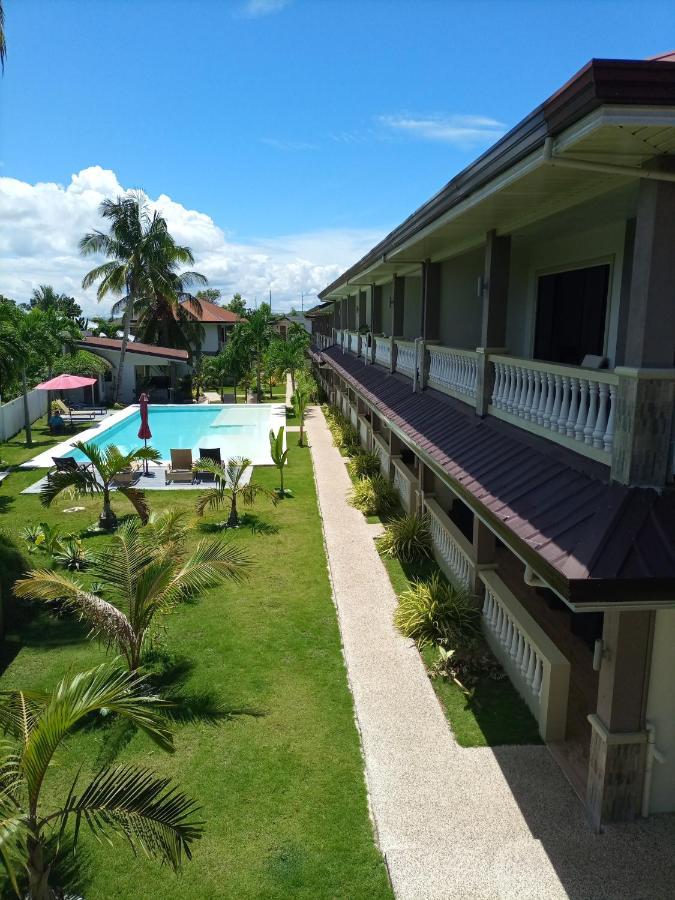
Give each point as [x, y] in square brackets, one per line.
[363, 464]
[436, 612]
[407, 538]
[73, 555]
[373, 496]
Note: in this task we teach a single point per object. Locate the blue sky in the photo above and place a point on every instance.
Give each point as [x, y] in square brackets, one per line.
[287, 124]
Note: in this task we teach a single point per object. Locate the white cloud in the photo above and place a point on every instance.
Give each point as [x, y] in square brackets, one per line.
[460, 130]
[42, 224]
[280, 144]
[256, 9]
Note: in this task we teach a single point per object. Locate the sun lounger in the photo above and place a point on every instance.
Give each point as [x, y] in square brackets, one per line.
[212, 397]
[88, 408]
[75, 415]
[128, 476]
[181, 467]
[210, 453]
[68, 464]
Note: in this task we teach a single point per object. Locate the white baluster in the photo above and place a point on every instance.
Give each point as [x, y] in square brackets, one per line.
[529, 675]
[601, 422]
[564, 404]
[527, 408]
[592, 412]
[538, 675]
[583, 410]
[609, 431]
[536, 396]
[550, 400]
[526, 659]
[574, 407]
[557, 403]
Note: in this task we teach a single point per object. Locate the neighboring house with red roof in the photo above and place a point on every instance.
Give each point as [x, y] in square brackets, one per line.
[217, 323]
[146, 367]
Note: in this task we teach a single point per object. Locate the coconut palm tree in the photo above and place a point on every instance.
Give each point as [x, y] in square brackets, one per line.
[143, 258]
[143, 574]
[148, 810]
[279, 455]
[3, 42]
[230, 487]
[107, 464]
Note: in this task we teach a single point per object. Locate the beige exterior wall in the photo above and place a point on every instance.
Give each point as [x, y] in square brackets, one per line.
[412, 308]
[460, 305]
[386, 307]
[661, 711]
[532, 257]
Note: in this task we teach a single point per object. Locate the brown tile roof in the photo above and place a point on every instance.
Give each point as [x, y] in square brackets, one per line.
[211, 312]
[593, 541]
[92, 343]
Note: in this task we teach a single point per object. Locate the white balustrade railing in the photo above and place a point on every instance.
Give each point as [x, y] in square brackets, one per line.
[382, 450]
[538, 670]
[383, 351]
[576, 403]
[351, 341]
[353, 416]
[364, 431]
[452, 550]
[405, 482]
[453, 371]
[406, 358]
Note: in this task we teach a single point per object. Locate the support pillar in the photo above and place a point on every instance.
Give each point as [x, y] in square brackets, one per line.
[397, 300]
[645, 397]
[618, 737]
[376, 323]
[431, 301]
[495, 292]
[484, 553]
[362, 309]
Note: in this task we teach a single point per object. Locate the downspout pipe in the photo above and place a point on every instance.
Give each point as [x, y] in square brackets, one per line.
[652, 754]
[605, 168]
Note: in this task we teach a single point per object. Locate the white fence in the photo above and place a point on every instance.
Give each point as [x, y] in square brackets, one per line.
[12, 416]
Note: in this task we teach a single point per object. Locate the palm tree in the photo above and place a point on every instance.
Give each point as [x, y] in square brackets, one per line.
[300, 401]
[108, 463]
[169, 320]
[230, 487]
[254, 336]
[288, 355]
[148, 810]
[143, 259]
[144, 574]
[279, 455]
[3, 42]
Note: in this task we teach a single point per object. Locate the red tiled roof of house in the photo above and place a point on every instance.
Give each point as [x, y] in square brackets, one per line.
[102, 343]
[211, 312]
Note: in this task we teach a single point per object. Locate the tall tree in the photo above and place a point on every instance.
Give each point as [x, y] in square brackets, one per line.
[45, 298]
[237, 305]
[142, 263]
[253, 337]
[210, 294]
[3, 42]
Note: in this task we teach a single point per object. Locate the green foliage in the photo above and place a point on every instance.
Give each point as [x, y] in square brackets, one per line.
[143, 578]
[407, 538]
[48, 538]
[107, 464]
[345, 436]
[373, 496]
[437, 612]
[128, 801]
[279, 455]
[73, 555]
[231, 487]
[300, 401]
[81, 363]
[363, 464]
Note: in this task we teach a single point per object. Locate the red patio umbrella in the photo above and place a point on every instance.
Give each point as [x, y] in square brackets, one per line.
[144, 431]
[65, 383]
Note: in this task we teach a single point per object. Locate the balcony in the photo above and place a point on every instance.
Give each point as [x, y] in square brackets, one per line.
[381, 448]
[570, 405]
[405, 482]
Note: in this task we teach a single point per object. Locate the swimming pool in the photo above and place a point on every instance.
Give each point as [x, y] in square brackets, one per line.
[237, 430]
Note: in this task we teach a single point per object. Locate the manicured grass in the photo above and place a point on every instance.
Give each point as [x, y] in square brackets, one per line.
[268, 743]
[492, 713]
[16, 452]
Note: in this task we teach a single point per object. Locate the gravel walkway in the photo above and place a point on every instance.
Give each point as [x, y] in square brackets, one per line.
[452, 822]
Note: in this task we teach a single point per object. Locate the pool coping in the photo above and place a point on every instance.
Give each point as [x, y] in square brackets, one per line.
[44, 460]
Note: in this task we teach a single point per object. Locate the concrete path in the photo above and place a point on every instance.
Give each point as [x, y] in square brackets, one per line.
[451, 822]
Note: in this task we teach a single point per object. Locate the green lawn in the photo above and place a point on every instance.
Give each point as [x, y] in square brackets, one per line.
[492, 713]
[271, 750]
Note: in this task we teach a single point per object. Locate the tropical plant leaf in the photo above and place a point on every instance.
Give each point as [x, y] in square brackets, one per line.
[148, 810]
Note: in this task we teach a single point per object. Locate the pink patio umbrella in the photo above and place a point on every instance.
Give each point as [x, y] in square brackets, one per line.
[144, 431]
[67, 383]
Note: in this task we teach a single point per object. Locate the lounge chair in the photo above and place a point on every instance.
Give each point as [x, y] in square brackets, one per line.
[128, 476]
[210, 453]
[93, 408]
[68, 464]
[74, 415]
[212, 397]
[181, 467]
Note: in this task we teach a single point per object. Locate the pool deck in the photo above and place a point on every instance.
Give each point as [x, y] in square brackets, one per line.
[155, 481]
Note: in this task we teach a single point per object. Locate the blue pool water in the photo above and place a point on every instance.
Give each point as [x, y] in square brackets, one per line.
[238, 430]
